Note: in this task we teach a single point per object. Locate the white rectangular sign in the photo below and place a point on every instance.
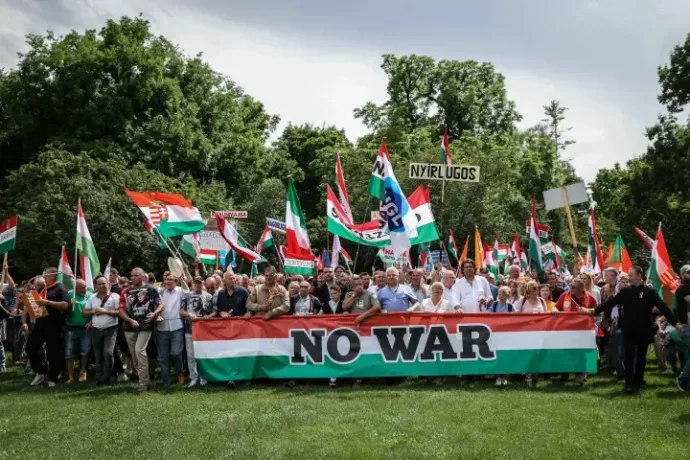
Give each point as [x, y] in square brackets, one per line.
[276, 225]
[577, 193]
[461, 173]
[233, 214]
[212, 240]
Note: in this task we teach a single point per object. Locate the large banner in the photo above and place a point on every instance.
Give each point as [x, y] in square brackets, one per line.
[396, 344]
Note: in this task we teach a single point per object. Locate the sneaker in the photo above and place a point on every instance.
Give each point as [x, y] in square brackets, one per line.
[682, 386]
[331, 383]
[202, 382]
[3, 369]
[51, 384]
[529, 383]
[39, 379]
[290, 384]
[231, 385]
[70, 381]
[192, 384]
[122, 378]
[180, 379]
[499, 381]
[505, 382]
[82, 377]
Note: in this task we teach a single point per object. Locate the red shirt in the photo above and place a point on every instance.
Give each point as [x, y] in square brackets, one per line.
[571, 303]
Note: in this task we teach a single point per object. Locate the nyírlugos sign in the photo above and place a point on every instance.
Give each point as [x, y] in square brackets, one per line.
[419, 344]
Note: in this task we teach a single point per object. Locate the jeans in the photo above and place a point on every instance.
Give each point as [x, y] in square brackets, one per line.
[169, 346]
[77, 342]
[620, 353]
[685, 374]
[50, 334]
[137, 341]
[191, 360]
[103, 346]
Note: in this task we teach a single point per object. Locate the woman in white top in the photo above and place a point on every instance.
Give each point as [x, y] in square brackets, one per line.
[590, 286]
[531, 303]
[434, 304]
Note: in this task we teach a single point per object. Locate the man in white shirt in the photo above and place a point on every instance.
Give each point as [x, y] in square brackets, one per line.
[379, 282]
[103, 310]
[448, 279]
[170, 332]
[470, 293]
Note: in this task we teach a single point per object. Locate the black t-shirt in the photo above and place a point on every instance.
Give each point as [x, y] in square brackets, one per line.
[235, 304]
[139, 302]
[681, 305]
[55, 293]
[116, 289]
[556, 294]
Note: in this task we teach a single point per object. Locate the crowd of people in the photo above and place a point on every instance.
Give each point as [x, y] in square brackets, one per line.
[128, 326]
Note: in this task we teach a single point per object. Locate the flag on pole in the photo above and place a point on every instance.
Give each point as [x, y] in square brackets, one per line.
[534, 242]
[445, 149]
[8, 234]
[478, 249]
[595, 257]
[345, 255]
[648, 241]
[65, 274]
[342, 190]
[265, 241]
[660, 272]
[298, 245]
[171, 213]
[254, 271]
[463, 256]
[87, 250]
[618, 257]
[106, 270]
[335, 248]
[395, 211]
[378, 175]
[190, 246]
[515, 250]
[493, 260]
[236, 242]
[452, 247]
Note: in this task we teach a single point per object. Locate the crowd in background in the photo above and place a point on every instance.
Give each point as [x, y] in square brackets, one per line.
[128, 326]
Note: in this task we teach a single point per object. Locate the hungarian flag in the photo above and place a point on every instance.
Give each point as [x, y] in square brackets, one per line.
[170, 213]
[378, 175]
[335, 250]
[87, 251]
[236, 242]
[265, 241]
[8, 234]
[618, 256]
[648, 241]
[342, 190]
[492, 261]
[65, 274]
[190, 245]
[345, 255]
[534, 250]
[298, 245]
[660, 272]
[445, 149]
[452, 247]
[106, 270]
[369, 234]
[478, 249]
[515, 250]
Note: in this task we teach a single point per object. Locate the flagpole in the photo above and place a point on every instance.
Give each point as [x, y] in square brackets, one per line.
[4, 264]
[359, 238]
[76, 250]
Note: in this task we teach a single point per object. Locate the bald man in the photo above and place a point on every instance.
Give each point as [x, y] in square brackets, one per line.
[77, 337]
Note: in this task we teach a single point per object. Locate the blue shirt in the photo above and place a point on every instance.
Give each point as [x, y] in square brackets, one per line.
[497, 307]
[399, 300]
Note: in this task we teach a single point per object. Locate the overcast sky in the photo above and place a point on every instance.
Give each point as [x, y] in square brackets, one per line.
[316, 60]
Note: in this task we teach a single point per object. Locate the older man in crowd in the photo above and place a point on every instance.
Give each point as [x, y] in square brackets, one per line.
[170, 332]
[102, 308]
[270, 298]
[140, 304]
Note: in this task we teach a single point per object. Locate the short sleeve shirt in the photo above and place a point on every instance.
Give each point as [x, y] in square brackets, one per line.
[398, 299]
[198, 304]
[363, 303]
[139, 302]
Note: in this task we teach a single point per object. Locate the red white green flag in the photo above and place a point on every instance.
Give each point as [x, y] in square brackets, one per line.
[90, 266]
[445, 149]
[660, 272]
[236, 242]
[170, 213]
[595, 258]
[8, 234]
[65, 274]
[618, 256]
[452, 247]
[265, 241]
[534, 249]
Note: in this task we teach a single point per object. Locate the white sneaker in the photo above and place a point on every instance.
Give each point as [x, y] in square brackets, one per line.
[38, 379]
[52, 384]
[202, 382]
[192, 384]
[499, 381]
[529, 383]
[122, 378]
[505, 382]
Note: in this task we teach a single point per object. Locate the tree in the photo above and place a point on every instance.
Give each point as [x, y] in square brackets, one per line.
[675, 78]
[125, 93]
[44, 194]
[555, 116]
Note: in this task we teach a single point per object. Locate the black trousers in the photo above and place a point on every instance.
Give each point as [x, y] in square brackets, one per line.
[50, 335]
[635, 362]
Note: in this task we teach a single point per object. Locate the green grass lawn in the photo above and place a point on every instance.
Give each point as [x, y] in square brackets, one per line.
[412, 420]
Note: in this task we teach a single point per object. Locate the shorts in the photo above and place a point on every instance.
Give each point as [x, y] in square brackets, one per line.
[77, 342]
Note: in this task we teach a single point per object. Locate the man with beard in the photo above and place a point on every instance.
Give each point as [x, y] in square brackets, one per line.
[195, 304]
[270, 298]
[471, 293]
[47, 329]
